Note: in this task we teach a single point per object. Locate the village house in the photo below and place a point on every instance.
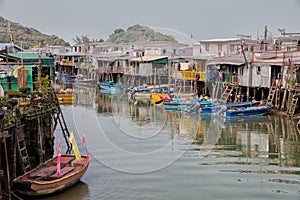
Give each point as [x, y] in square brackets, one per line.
[16, 66]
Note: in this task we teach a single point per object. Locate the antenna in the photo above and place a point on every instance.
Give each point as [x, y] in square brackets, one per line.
[9, 32]
[244, 36]
[282, 31]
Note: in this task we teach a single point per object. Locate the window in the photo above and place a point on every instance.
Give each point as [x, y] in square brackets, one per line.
[252, 48]
[219, 47]
[232, 48]
[258, 70]
[206, 47]
[164, 51]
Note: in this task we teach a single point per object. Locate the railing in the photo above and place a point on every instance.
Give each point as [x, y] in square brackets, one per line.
[114, 70]
[67, 63]
[189, 75]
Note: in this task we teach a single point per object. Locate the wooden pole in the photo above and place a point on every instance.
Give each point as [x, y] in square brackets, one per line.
[39, 72]
[249, 71]
[40, 141]
[6, 160]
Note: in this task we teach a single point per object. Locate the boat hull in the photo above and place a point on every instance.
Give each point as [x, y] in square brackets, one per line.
[31, 185]
[159, 96]
[249, 111]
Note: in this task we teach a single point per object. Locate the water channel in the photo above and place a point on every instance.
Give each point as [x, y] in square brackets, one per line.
[140, 151]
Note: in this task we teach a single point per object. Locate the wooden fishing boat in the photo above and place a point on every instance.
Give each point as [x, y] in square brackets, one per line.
[66, 98]
[44, 179]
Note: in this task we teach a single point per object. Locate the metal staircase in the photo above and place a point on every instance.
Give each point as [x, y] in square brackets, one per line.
[22, 149]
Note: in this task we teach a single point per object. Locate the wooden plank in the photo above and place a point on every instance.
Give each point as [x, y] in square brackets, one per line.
[63, 172]
[64, 162]
[43, 172]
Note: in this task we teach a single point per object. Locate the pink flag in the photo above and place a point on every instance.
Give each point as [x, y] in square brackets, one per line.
[83, 139]
[58, 157]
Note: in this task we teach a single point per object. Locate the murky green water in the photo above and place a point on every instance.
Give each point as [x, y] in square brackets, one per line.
[142, 152]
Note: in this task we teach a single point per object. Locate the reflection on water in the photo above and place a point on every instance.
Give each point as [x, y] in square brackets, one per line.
[79, 191]
[273, 137]
[217, 158]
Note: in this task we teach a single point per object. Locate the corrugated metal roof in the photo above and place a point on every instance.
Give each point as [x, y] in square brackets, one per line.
[230, 60]
[28, 56]
[148, 58]
[221, 40]
[225, 63]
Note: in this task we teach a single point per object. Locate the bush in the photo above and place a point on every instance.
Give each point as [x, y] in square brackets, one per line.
[14, 94]
[12, 103]
[25, 90]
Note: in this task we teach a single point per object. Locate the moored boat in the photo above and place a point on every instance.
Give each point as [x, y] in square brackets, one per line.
[44, 179]
[247, 111]
[109, 85]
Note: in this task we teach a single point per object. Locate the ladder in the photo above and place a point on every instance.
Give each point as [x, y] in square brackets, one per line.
[292, 106]
[227, 92]
[292, 130]
[271, 95]
[21, 145]
[59, 118]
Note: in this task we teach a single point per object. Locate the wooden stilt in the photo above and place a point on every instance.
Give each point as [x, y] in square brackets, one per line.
[6, 161]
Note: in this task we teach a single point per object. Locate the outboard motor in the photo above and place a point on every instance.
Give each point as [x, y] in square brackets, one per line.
[194, 107]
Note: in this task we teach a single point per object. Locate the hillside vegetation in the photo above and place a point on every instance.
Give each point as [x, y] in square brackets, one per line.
[138, 33]
[27, 37]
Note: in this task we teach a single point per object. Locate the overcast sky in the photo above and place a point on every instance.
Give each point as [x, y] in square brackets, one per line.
[203, 19]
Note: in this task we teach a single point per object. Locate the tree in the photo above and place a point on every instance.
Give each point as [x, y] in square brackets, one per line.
[138, 33]
[83, 39]
[77, 40]
[117, 31]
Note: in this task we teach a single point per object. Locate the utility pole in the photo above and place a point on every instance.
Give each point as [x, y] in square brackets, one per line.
[266, 32]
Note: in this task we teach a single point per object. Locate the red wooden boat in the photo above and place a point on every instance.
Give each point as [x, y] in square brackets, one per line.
[44, 179]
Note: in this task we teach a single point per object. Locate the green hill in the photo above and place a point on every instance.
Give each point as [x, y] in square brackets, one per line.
[27, 37]
[138, 33]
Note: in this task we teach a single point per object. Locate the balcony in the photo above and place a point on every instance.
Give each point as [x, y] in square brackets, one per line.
[189, 75]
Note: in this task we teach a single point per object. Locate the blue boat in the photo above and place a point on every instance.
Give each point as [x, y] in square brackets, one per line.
[242, 104]
[109, 85]
[68, 78]
[110, 91]
[221, 107]
[247, 111]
